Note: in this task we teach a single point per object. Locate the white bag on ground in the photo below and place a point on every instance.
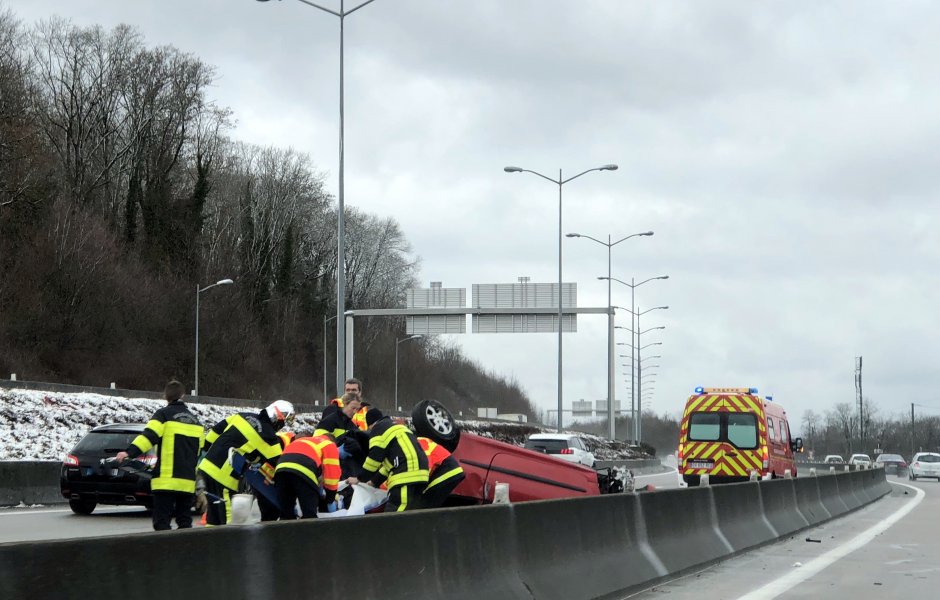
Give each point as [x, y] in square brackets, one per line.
[241, 508]
[365, 497]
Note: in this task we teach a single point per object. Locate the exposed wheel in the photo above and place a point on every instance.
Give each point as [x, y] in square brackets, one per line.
[82, 507]
[431, 419]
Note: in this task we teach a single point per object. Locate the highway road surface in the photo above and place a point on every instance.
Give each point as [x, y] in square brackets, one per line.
[889, 549]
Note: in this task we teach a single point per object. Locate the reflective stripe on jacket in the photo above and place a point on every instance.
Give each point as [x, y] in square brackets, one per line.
[397, 449]
[178, 436]
[359, 419]
[250, 434]
[441, 464]
[313, 457]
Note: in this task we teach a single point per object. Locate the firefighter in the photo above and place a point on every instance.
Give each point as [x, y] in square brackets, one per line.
[394, 447]
[307, 470]
[268, 509]
[445, 474]
[178, 436]
[252, 435]
[347, 436]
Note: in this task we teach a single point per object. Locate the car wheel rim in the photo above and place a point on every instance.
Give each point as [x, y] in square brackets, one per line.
[438, 420]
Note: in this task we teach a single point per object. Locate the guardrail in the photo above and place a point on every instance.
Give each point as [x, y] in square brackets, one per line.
[554, 549]
[30, 482]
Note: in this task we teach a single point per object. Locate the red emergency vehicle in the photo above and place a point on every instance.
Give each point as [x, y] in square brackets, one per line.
[728, 433]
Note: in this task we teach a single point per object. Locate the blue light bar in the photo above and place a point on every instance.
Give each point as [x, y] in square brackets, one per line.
[753, 390]
[699, 390]
[769, 398]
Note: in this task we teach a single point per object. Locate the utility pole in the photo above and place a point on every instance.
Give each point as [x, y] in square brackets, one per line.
[858, 396]
[912, 431]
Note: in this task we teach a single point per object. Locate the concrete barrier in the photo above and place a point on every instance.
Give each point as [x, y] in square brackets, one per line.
[562, 549]
[831, 497]
[741, 515]
[778, 499]
[807, 500]
[597, 538]
[682, 528]
[30, 482]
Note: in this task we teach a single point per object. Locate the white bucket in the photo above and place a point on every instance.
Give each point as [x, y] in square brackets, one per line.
[241, 508]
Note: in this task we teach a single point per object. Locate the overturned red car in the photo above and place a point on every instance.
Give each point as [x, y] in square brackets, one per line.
[486, 462]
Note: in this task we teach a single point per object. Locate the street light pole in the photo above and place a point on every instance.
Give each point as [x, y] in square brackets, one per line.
[199, 291]
[341, 207]
[397, 342]
[611, 421]
[325, 321]
[560, 182]
[633, 328]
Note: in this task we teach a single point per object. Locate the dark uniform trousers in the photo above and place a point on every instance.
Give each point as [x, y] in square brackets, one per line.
[168, 505]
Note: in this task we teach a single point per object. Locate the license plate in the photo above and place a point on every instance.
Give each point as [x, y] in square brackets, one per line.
[699, 464]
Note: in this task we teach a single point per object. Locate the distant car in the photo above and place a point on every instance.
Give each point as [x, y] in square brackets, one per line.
[893, 463]
[565, 446]
[834, 459]
[860, 460]
[925, 464]
[87, 482]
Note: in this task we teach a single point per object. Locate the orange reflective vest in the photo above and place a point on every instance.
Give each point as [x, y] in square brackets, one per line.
[316, 458]
[360, 418]
[436, 453]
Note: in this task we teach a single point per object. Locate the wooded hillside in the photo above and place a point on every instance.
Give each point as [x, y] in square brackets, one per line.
[121, 190]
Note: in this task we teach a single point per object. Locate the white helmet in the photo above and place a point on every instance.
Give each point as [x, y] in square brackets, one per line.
[281, 410]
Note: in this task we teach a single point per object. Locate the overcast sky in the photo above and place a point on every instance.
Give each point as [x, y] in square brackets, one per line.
[784, 153]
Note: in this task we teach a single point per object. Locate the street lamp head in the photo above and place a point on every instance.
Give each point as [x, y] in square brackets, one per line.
[609, 168]
[512, 169]
[663, 277]
[647, 233]
[572, 235]
[224, 282]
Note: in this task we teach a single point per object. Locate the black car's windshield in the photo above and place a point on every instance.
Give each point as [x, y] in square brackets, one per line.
[107, 442]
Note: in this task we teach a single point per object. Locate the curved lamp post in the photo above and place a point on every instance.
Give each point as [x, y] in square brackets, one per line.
[560, 182]
[341, 207]
[199, 291]
[610, 325]
[633, 325]
[397, 342]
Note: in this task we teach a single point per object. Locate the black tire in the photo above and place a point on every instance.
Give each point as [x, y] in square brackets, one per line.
[431, 419]
[82, 507]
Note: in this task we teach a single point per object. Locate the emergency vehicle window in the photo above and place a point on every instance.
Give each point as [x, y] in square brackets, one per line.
[705, 427]
[784, 434]
[742, 430]
[771, 433]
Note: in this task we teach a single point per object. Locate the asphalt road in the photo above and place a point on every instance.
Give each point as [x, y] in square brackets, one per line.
[890, 549]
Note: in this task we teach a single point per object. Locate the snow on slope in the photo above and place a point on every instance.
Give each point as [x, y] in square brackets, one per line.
[40, 425]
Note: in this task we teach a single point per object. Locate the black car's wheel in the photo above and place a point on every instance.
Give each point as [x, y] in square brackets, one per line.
[431, 419]
[82, 507]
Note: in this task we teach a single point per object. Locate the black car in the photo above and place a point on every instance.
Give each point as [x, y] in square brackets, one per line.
[88, 480]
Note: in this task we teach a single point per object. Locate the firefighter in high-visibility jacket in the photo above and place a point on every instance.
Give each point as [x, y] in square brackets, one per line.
[445, 474]
[254, 436]
[307, 471]
[178, 435]
[394, 449]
